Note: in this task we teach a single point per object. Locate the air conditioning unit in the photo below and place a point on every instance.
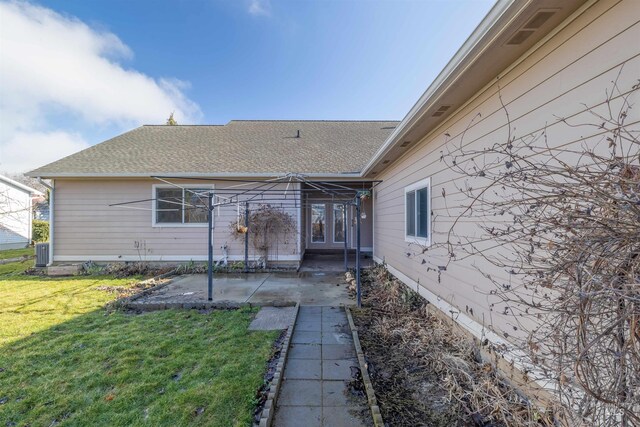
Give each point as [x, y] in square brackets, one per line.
[42, 254]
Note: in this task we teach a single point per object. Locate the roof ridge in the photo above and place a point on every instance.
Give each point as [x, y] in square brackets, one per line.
[276, 120]
[242, 146]
[308, 120]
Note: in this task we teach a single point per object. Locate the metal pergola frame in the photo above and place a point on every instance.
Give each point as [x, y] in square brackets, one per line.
[215, 198]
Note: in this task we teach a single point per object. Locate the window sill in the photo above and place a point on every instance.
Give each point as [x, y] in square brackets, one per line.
[179, 225]
[422, 241]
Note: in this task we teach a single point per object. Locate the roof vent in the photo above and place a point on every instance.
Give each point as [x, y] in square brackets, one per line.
[539, 19]
[298, 134]
[440, 111]
[404, 144]
[520, 37]
[385, 162]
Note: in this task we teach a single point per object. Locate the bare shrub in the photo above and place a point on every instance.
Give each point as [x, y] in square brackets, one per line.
[563, 220]
[268, 225]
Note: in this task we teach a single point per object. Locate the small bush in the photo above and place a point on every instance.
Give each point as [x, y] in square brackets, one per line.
[40, 231]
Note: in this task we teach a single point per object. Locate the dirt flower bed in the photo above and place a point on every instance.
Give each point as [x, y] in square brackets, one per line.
[426, 374]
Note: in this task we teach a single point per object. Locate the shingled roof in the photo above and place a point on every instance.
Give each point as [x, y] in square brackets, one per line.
[239, 147]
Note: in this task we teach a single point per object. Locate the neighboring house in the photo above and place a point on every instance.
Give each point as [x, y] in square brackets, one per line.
[539, 60]
[41, 208]
[16, 207]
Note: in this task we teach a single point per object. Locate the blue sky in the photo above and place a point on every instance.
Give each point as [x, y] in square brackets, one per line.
[103, 67]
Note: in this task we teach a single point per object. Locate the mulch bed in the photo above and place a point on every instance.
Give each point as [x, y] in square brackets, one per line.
[423, 372]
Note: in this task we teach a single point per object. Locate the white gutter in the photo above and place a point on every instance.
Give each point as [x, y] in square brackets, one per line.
[51, 216]
[451, 72]
[19, 185]
[165, 174]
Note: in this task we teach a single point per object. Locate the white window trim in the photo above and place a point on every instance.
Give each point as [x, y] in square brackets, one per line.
[155, 224]
[333, 222]
[423, 241]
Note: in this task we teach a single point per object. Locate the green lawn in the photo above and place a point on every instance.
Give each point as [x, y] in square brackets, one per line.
[67, 361]
[17, 253]
[16, 267]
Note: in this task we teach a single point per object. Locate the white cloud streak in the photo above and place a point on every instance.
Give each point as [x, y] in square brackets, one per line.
[27, 150]
[259, 8]
[55, 64]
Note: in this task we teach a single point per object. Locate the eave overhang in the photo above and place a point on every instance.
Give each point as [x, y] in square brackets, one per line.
[503, 36]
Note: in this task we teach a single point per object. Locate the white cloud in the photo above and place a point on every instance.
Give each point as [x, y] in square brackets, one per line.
[260, 7]
[50, 63]
[26, 149]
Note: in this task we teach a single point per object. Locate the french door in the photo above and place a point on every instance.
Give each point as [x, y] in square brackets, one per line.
[326, 225]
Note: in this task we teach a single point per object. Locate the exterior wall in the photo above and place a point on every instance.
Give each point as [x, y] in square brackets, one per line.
[87, 228]
[15, 217]
[557, 78]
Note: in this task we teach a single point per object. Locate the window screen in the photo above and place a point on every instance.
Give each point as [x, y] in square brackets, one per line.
[181, 206]
[168, 205]
[411, 213]
[422, 212]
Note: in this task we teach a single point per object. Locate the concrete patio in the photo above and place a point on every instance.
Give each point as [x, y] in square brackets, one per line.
[266, 289]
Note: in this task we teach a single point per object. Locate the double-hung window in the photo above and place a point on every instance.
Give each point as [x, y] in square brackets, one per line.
[180, 206]
[417, 207]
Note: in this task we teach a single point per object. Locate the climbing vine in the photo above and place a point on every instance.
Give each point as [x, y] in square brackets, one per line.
[268, 226]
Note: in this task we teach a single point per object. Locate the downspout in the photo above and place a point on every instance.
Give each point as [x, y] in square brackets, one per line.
[30, 230]
[51, 206]
[373, 221]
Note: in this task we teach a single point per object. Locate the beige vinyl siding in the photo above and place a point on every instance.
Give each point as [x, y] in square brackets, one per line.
[573, 68]
[87, 228]
[366, 225]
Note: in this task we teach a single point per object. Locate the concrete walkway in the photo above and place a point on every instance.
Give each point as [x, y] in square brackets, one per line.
[320, 363]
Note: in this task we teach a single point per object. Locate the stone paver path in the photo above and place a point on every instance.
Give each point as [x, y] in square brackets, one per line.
[317, 371]
[272, 319]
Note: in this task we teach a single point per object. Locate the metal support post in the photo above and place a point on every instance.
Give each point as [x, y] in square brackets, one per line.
[246, 237]
[359, 294]
[346, 253]
[210, 263]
